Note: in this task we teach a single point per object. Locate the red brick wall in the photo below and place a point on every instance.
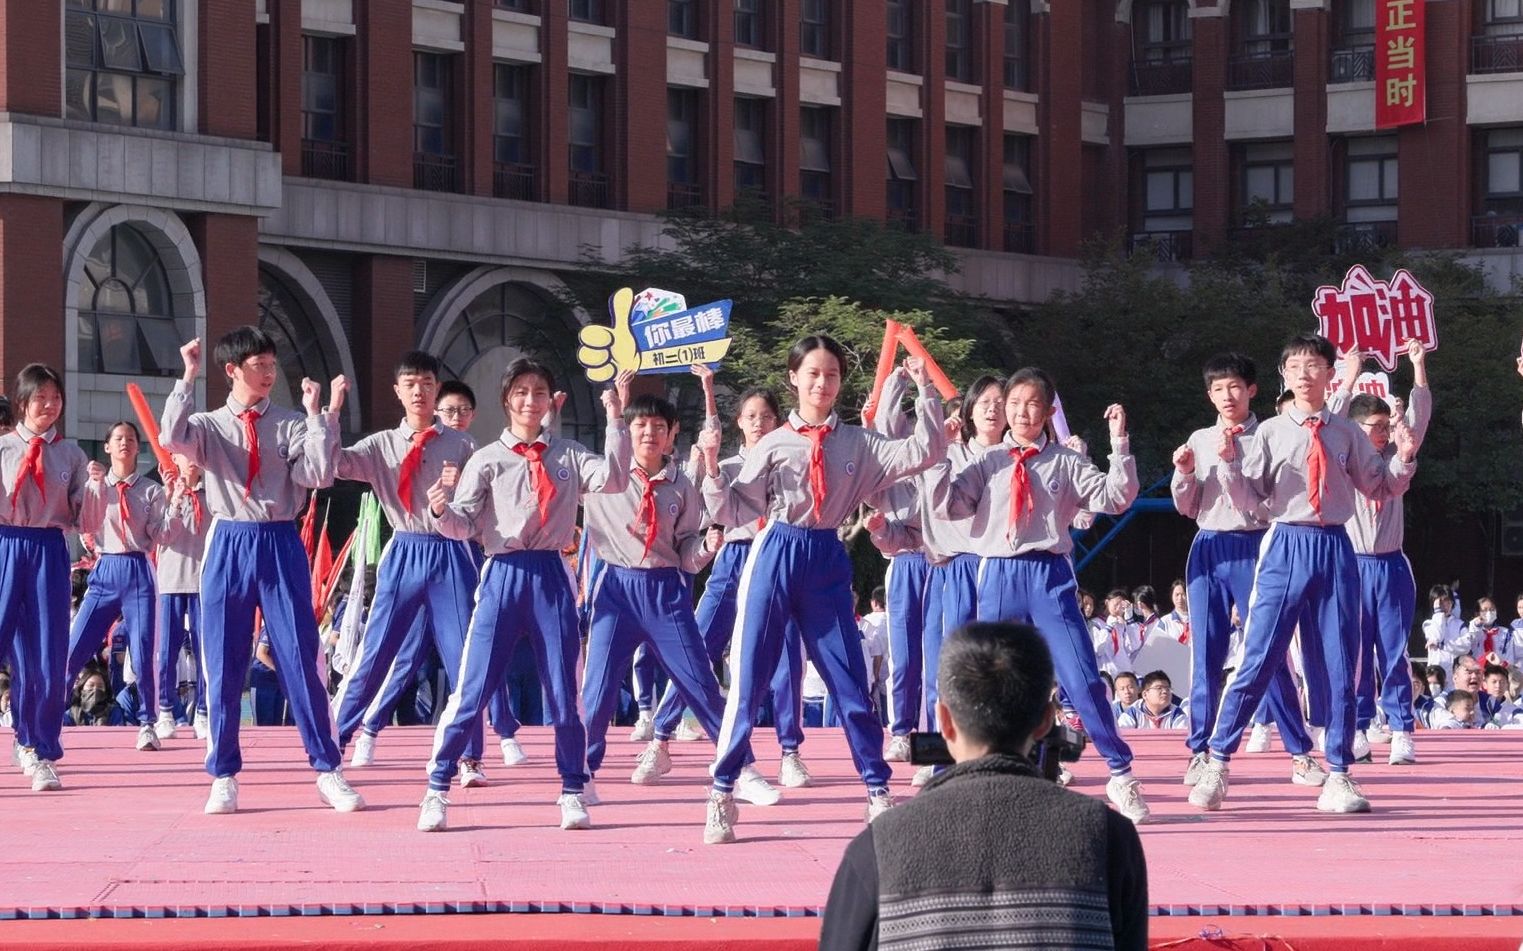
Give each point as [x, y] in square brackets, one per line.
[1059, 148]
[31, 284]
[229, 249]
[383, 306]
[1213, 182]
[931, 36]
[31, 57]
[785, 119]
[637, 99]
[719, 108]
[553, 98]
[1312, 156]
[285, 83]
[864, 98]
[383, 106]
[1437, 153]
[989, 164]
[476, 107]
[226, 92]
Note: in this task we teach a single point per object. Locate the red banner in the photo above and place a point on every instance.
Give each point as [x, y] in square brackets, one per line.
[1400, 65]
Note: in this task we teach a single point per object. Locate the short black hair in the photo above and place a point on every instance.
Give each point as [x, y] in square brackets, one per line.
[417, 361]
[7, 418]
[974, 391]
[457, 388]
[1119, 593]
[1439, 591]
[525, 366]
[1226, 366]
[1310, 345]
[763, 394]
[1154, 677]
[33, 377]
[1144, 594]
[136, 433]
[878, 596]
[239, 344]
[1458, 661]
[1126, 675]
[1458, 696]
[996, 679]
[1434, 670]
[1365, 405]
[1493, 670]
[1285, 397]
[647, 405]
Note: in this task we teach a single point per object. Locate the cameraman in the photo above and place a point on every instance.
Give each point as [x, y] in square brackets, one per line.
[988, 846]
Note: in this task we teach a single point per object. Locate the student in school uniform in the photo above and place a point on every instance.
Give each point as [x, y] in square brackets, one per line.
[1305, 468]
[519, 496]
[1032, 491]
[1445, 634]
[806, 478]
[1157, 710]
[1118, 639]
[1219, 571]
[1387, 590]
[652, 538]
[125, 512]
[1493, 642]
[259, 461]
[422, 576]
[177, 572]
[42, 485]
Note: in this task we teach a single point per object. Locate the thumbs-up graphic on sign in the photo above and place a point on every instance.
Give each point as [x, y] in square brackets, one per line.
[606, 351]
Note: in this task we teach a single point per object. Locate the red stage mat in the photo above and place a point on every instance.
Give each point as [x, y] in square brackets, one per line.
[126, 839]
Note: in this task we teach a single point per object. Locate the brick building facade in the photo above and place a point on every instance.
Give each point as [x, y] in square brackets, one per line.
[365, 176]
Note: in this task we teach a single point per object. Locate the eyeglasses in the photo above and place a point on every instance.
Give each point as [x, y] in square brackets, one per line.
[455, 412]
[1160, 688]
[1297, 367]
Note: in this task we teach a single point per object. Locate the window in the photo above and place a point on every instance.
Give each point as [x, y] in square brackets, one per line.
[1017, 43]
[682, 188]
[962, 212]
[510, 109]
[1503, 16]
[750, 145]
[902, 178]
[960, 40]
[1499, 223]
[1268, 182]
[1266, 27]
[682, 18]
[587, 11]
[522, 6]
[814, 29]
[126, 309]
[122, 61]
[1370, 176]
[432, 142]
[586, 130]
[814, 157]
[1168, 184]
[901, 35]
[1504, 163]
[324, 134]
[1019, 222]
[1161, 32]
[748, 23]
[1354, 44]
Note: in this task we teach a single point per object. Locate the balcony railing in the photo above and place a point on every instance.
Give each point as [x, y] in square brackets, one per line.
[681, 195]
[1496, 54]
[1020, 237]
[1166, 246]
[1271, 70]
[435, 173]
[904, 219]
[961, 231]
[1364, 237]
[1496, 231]
[1353, 64]
[511, 180]
[1161, 79]
[320, 159]
[589, 189]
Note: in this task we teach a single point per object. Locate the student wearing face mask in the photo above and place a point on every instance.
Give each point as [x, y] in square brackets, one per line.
[1119, 638]
[93, 704]
[1492, 643]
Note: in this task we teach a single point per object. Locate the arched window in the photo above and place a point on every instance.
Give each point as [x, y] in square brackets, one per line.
[298, 343]
[506, 321]
[127, 315]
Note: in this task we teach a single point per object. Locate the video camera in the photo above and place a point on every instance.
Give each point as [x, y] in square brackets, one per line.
[1062, 744]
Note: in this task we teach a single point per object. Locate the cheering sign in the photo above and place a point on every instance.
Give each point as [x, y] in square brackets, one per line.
[657, 340]
[1377, 318]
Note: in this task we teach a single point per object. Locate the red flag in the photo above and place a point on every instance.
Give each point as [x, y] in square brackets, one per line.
[322, 566]
[309, 528]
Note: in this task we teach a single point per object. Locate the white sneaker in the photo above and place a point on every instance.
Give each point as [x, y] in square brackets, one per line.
[644, 730]
[364, 750]
[512, 753]
[655, 761]
[1378, 734]
[1305, 771]
[432, 813]
[202, 726]
[148, 738]
[754, 788]
[590, 795]
[1126, 793]
[224, 797]
[164, 726]
[792, 772]
[45, 777]
[26, 758]
[573, 812]
[471, 774]
[719, 823]
[1360, 747]
[1403, 753]
[1258, 740]
[1193, 771]
[1341, 794]
[686, 733]
[878, 803]
[922, 776]
[334, 790]
[898, 750]
[1212, 788]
